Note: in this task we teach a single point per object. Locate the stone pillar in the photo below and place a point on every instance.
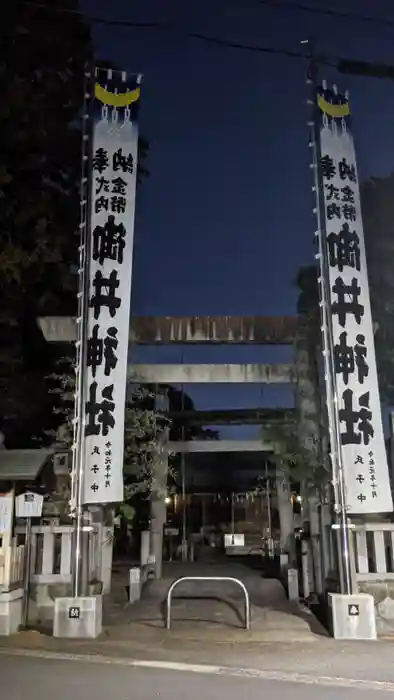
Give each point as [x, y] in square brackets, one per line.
[158, 517]
[158, 495]
[61, 472]
[292, 585]
[144, 548]
[285, 509]
[311, 414]
[101, 545]
[103, 522]
[134, 584]
[107, 546]
[324, 541]
[314, 524]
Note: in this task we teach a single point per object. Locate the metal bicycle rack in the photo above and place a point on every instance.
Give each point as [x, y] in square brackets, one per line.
[208, 578]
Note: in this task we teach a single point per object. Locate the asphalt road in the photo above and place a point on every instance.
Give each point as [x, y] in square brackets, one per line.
[41, 679]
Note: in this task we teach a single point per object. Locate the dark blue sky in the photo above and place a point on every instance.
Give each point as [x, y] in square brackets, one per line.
[225, 219]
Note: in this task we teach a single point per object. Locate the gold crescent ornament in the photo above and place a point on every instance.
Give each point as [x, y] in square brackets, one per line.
[336, 111]
[113, 99]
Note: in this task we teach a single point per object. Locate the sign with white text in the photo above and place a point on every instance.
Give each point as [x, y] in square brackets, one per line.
[29, 505]
[113, 185]
[359, 411]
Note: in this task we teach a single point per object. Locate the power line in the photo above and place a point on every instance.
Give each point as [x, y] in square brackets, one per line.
[327, 12]
[249, 47]
[165, 26]
[364, 68]
[274, 4]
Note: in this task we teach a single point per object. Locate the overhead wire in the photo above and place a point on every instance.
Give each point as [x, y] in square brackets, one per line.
[364, 68]
[173, 27]
[274, 4]
[325, 12]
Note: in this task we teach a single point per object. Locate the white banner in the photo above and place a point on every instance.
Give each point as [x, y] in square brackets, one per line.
[113, 185]
[362, 441]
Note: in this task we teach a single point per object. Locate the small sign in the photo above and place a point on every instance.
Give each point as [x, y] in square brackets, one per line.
[353, 610]
[29, 505]
[74, 613]
[234, 540]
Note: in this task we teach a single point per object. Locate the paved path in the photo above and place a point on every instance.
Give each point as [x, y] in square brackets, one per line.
[42, 678]
[210, 610]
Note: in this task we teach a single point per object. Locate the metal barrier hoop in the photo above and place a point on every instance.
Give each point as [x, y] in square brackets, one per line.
[208, 578]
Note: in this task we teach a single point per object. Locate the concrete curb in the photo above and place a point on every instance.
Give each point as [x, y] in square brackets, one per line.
[331, 681]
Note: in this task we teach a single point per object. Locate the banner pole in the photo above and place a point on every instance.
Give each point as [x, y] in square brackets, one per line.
[77, 495]
[328, 350]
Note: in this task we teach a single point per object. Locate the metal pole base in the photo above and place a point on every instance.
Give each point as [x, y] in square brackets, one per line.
[78, 618]
[352, 616]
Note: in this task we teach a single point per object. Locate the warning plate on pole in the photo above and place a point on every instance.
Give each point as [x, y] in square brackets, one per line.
[353, 610]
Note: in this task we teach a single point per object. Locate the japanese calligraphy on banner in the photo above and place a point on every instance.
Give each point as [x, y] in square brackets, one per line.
[360, 420]
[113, 185]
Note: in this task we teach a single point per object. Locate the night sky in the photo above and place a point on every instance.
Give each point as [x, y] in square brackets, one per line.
[225, 219]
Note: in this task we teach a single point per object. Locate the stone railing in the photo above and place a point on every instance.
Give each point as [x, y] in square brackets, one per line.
[50, 560]
[374, 551]
[11, 566]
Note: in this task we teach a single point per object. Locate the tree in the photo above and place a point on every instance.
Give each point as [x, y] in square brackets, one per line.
[300, 453]
[144, 429]
[42, 64]
[299, 446]
[377, 203]
[308, 300]
[378, 217]
[43, 55]
[299, 461]
[144, 432]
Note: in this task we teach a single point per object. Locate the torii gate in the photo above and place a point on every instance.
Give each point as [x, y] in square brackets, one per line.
[218, 330]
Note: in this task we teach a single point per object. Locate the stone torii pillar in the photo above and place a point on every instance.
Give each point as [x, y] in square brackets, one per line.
[158, 510]
[286, 515]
